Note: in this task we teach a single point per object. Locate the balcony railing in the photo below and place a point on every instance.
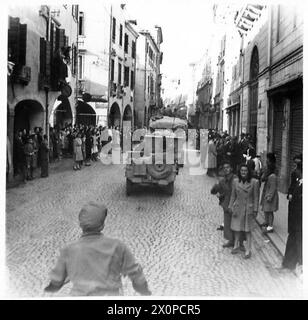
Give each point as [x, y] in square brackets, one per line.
[113, 89]
[81, 86]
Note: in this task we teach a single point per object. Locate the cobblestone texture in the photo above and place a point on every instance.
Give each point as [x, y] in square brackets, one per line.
[174, 238]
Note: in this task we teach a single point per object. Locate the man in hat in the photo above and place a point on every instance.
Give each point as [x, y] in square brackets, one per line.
[29, 153]
[95, 263]
[223, 190]
[293, 253]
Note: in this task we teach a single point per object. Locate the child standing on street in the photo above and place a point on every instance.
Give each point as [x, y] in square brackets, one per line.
[95, 263]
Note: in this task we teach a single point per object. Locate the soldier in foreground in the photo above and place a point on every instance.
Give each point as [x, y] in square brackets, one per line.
[95, 263]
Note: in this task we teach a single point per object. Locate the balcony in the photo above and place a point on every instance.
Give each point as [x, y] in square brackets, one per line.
[113, 89]
[81, 87]
[152, 101]
[23, 75]
[120, 91]
[43, 81]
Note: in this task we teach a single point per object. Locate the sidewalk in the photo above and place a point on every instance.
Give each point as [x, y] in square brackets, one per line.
[280, 234]
[65, 163]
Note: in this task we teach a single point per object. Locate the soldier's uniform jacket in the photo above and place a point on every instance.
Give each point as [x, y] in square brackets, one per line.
[29, 149]
[224, 187]
[94, 264]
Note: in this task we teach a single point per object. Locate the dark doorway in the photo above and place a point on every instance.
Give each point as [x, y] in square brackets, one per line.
[63, 114]
[28, 115]
[114, 116]
[85, 114]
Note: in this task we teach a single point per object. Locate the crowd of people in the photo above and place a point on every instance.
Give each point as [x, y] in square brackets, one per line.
[33, 149]
[240, 176]
[234, 161]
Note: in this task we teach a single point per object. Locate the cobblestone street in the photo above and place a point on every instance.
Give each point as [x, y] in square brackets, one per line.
[174, 238]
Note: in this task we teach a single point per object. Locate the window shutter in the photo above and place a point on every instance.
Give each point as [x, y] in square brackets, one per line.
[52, 38]
[48, 59]
[132, 84]
[74, 58]
[66, 41]
[13, 39]
[42, 56]
[60, 38]
[22, 44]
[133, 49]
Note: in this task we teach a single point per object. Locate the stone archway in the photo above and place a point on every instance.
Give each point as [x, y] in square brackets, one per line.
[114, 118]
[85, 114]
[128, 114]
[62, 114]
[253, 95]
[28, 115]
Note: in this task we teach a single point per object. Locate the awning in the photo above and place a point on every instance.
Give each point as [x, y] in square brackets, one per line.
[286, 86]
[233, 105]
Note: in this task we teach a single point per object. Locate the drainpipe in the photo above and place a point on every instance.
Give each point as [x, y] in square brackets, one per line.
[109, 67]
[46, 89]
[242, 82]
[269, 64]
[77, 68]
[134, 88]
[145, 82]
[269, 45]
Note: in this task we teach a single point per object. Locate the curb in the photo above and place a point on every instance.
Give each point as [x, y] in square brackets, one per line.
[277, 242]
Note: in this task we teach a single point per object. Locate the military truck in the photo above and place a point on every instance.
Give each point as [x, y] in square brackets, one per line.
[157, 158]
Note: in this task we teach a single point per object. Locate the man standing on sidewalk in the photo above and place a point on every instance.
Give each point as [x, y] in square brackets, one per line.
[223, 191]
[293, 253]
[29, 153]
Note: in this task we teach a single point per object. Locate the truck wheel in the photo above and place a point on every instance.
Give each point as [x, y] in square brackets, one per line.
[170, 188]
[129, 187]
[159, 171]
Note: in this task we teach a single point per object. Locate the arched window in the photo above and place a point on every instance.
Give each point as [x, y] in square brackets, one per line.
[254, 64]
[253, 96]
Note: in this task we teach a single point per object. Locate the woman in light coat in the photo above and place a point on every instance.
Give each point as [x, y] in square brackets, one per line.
[243, 204]
[212, 158]
[270, 199]
[78, 157]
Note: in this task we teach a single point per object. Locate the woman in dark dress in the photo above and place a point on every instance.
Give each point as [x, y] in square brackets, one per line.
[44, 153]
[293, 253]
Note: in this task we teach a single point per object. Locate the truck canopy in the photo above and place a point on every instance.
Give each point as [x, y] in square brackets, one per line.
[171, 123]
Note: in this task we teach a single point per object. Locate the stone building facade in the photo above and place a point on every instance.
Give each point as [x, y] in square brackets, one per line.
[269, 82]
[41, 55]
[122, 69]
[148, 78]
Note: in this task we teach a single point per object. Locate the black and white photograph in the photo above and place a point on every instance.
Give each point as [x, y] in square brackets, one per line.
[154, 149]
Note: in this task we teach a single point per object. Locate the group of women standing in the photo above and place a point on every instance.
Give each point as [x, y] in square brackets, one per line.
[242, 205]
[86, 147]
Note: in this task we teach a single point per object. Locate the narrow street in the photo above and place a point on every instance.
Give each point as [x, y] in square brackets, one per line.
[174, 238]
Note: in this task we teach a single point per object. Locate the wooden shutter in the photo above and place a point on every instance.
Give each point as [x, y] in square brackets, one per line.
[66, 41]
[60, 38]
[132, 84]
[296, 128]
[42, 56]
[13, 39]
[52, 38]
[48, 59]
[74, 58]
[278, 128]
[22, 44]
